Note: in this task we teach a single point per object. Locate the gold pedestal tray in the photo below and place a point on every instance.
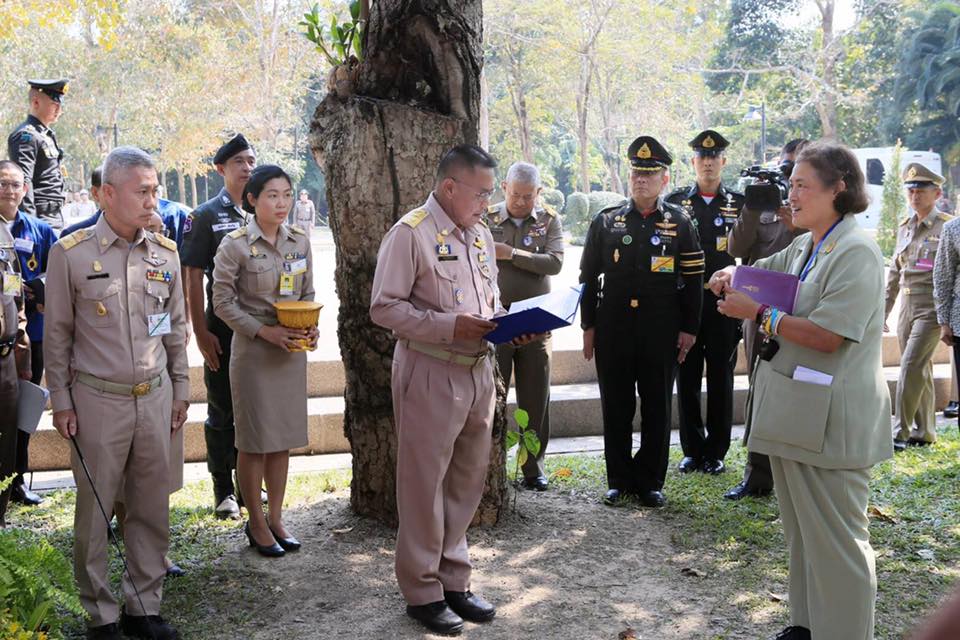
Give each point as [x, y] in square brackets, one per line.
[298, 314]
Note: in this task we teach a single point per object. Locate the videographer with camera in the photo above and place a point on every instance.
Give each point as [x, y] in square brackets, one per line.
[764, 227]
[713, 209]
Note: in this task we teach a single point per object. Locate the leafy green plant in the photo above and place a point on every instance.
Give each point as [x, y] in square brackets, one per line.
[526, 441]
[340, 40]
[893, 205]
[36, 586]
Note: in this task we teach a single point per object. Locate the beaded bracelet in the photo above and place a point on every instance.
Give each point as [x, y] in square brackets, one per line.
[759, 317]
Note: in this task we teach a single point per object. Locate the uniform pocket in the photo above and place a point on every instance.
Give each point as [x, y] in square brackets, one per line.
[260, 276]
[446, 288]
[99, 304]
[789, 411]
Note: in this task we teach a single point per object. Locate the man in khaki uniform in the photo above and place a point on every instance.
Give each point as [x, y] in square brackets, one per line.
[435, 287]
[755, 235]
[911, 273]
[117, 369]
[14, 357]
[528, 240]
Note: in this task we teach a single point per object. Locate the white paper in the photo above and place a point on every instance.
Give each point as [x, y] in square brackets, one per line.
[562, 304]
[158, 324]
[804, 374]
[30, 405]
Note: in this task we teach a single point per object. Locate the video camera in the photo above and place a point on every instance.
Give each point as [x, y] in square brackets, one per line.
[771, 189]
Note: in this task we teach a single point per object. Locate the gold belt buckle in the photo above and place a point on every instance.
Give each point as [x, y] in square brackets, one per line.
[141, 389]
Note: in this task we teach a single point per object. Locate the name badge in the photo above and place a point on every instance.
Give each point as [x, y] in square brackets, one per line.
[12, 284]
[661, 264]
[158, 324]
[23, 244]
[225, 226]
[286, 284]
[924, 264]
[722, 243]
[295, 267]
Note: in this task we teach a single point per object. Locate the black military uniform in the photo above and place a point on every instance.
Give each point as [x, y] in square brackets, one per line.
[202, 233]
[643, 276]
[33, 146]
[705, 446]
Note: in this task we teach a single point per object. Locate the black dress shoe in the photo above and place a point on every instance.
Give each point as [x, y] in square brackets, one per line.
[613, 497]
[288, 544]
[794, 633]
[147, 627]
[899, 445]
[175, 571]
[952, 410]
[437, 617]
[742, 490]
[21, 495]
[539, 483]
[654, 499]
[469, 606]
[269, 550]
[713, 467]
[688, 465]
[228, 508]
[104, 632]
[917, 442]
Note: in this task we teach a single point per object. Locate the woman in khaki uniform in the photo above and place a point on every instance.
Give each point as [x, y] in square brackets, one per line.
[255, 266]
[820, 407]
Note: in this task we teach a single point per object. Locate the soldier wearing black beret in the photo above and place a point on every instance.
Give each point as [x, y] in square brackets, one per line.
[714, 210]
[33, 146]
[642, 321]
[202, 232]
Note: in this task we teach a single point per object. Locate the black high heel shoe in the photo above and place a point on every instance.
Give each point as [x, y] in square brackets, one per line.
[288, 544]
[270, 550]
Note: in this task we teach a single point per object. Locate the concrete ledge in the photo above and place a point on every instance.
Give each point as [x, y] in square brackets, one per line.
[574, 411]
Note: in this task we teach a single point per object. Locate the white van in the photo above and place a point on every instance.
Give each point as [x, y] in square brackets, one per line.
[875, 163]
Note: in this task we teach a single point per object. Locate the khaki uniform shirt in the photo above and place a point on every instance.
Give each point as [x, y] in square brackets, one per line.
[538, 251]
[911, 270]
[429, 271]
[757, 235]
[250, 274]
[114, 310]
[13, 321]
[844, 423]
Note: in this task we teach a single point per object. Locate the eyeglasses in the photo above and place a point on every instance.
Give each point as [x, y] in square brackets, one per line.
[10, 186]
[479, 195]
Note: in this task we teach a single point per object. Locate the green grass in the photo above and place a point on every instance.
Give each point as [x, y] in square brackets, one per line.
[918, 547]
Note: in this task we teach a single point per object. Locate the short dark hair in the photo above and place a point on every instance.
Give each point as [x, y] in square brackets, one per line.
[464, 156]
[96, 177]
[258, 180]
[794, 146]
[834, 162]
[10, 164]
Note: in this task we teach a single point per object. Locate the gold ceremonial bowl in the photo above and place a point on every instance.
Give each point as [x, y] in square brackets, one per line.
[298, 314]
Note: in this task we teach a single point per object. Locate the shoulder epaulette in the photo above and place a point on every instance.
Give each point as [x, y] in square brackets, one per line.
[164, 241]
[295, 229]
[614, 207]
[946, 217]
[493, 208]
[414, 218]
[677, 191]
[904, 221]
[238, 233]
[483, 221]
[550, 211]
[72, 240]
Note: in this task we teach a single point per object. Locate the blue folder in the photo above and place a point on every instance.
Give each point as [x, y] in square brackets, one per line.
[537, 315]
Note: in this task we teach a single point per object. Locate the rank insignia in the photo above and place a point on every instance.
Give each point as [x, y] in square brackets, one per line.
[479, 243]
[155, 260]
[97, 267]
[458, 295]
[443, 250]
[616, 256]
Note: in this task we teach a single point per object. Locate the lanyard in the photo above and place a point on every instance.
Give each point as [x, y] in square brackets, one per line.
[807, 267]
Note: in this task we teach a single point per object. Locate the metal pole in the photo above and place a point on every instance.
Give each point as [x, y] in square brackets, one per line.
[763, 132]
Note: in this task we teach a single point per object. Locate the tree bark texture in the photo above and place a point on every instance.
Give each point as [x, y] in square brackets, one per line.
[417, 94]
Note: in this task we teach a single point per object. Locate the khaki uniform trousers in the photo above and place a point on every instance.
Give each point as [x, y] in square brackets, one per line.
[833, 580]
[444, 417]
[125, 442]
[9, 393]
[530, 366]
[918, 334]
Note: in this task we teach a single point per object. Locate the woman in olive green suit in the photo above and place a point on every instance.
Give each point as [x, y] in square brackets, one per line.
[821, 408]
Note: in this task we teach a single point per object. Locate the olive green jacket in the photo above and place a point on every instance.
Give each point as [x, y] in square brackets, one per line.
[845, 424]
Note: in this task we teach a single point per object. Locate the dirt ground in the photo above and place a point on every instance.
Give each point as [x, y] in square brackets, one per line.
[567, 568]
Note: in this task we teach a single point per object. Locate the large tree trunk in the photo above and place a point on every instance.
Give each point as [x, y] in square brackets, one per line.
[827, 104]
[416, 94]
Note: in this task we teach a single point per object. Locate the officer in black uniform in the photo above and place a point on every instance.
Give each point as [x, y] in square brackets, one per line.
[641, 319]
[33, 146]
[202, 232]
[714, 210]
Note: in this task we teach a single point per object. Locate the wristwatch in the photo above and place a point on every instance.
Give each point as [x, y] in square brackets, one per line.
[513, 252]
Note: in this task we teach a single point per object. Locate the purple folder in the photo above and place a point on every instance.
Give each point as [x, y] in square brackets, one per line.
[767, 287]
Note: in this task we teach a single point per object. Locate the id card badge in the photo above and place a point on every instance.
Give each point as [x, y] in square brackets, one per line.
[661, 264]
[24, 245]
[295, 267]
[721, 243]
[12, 284]
[286, 284]
[158, 324]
